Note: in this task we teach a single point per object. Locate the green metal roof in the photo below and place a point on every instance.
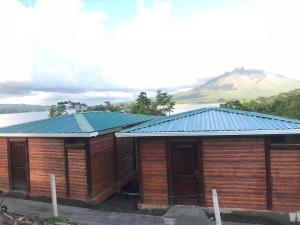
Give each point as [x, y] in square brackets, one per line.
[84, 124]
[214, 121]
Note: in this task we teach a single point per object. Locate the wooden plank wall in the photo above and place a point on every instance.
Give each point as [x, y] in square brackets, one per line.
[236, 168]
[125, 160]
[4, 179]
[46, 156]
[102, 167]
[153, 168]
[77, 174]
[285, 170]
[111, 165]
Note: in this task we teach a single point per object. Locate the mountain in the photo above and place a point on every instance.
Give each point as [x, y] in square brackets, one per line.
[18, 108]
[241, 84]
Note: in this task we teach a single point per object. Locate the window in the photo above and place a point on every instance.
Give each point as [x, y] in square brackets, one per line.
[285, 139]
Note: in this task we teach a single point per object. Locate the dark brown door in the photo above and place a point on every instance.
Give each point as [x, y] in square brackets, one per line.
[184, 174]
[19, 178]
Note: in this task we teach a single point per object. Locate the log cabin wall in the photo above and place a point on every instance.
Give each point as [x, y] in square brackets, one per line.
[285, 171]
[102, 167]
[77, 174]
[153, 172]
[111, 165]
[4, 174]
[46, 156]
[125, 161]
[236, 168]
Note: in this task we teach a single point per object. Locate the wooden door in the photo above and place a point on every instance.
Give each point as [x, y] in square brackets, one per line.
[19, 173]
[184, 174]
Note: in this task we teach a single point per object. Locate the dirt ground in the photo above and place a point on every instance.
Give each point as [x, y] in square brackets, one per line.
[128, 204]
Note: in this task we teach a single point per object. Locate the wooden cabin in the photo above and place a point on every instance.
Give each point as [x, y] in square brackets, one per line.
[89, 162]
[252, 159]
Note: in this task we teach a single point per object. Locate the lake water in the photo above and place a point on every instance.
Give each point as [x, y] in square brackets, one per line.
[15, 118]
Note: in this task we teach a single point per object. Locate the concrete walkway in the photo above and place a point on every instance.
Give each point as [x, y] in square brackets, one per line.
[96, 217]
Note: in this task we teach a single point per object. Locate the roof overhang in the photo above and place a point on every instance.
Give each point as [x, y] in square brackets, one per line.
[78, 135]
[209, 133]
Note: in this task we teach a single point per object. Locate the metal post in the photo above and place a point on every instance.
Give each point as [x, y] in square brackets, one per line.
[216, 207]
[53, 195]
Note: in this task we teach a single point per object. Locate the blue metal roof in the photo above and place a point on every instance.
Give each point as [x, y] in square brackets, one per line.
[77, 124]
[214, 121]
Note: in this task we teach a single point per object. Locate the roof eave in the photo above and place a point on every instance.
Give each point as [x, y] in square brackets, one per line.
[210, 133]
[92, 134]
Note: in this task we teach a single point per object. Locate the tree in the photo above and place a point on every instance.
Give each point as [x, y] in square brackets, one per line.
[61, 108]
[142, 105]
[233, 104]
[57, 110]
[163, 104]
[77, 106]
[285, 104]
[107, 106]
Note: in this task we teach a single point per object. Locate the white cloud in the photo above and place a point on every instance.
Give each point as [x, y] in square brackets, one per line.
[58, 44]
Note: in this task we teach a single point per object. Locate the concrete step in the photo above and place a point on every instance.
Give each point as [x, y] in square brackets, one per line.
[186, 211]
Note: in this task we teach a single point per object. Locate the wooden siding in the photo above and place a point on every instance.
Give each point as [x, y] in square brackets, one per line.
[236, 168]
[153, 169]
[125, 159]
[77, 174]
[285, 171]
[46, 156]
[111, 161]
[4, 179]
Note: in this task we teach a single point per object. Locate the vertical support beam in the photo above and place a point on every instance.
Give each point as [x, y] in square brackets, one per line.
[268, 173]
[9, 165]
[135, 153]
[216, 207]
[88, 169]
[66, 156]
[169, 171]
[27, 165]
[116, 160]
[53, 195]
[140, 177]
[201, 172]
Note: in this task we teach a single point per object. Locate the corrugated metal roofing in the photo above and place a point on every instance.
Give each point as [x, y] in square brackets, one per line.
[214, 121]
[87, 122]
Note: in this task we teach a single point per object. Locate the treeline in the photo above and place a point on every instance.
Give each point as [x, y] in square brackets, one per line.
[161, 105]
[21, 108]
[285, 104]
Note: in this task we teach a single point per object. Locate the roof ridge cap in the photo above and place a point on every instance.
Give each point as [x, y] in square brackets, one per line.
[83, 123]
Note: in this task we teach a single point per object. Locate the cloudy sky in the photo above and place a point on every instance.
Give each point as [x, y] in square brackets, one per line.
[95, 50]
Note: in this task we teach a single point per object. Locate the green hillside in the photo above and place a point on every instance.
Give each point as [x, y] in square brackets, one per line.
[284, 104]
[242, 84]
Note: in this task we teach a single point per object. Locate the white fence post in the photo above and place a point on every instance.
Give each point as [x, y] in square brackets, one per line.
[53, 195]
[216, 207]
